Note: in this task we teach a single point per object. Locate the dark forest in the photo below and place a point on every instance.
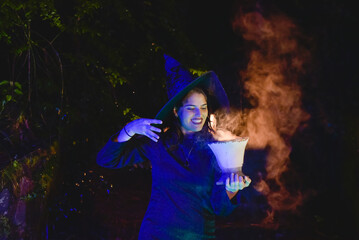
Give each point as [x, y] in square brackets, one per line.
[74, 72]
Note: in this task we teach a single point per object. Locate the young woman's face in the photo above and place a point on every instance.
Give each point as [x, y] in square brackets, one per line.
[193, 113]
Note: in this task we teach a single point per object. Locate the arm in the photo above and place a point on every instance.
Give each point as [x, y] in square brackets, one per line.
[140, 126]
[121, 150]
[222, 194]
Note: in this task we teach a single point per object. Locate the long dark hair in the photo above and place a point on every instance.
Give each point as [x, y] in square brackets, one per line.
[172, 127]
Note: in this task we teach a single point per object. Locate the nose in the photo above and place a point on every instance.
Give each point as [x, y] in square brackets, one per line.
[197, 112]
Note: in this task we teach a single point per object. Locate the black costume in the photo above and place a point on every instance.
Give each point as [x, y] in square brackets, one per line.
[185, 197]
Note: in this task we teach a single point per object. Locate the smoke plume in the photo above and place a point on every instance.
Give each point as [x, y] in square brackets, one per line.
[276, 62]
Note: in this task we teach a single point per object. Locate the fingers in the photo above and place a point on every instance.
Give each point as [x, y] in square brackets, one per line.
[247, 181]
[236, 182]
[143, 126]
[152, 128]
[229, 186]
[151, 131]
[151, 135]
[232, 183]
[227, 183]
[154, 121]
[240, 183]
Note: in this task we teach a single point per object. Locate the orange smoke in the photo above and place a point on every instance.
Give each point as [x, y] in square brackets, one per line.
[271, 84]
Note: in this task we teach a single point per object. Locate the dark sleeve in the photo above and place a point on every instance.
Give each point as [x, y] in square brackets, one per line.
[220, 201]
[122, 154]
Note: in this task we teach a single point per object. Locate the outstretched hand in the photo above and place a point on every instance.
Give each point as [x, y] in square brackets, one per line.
[142, 126]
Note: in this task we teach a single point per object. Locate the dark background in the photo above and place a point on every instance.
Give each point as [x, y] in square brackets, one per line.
[112, 70]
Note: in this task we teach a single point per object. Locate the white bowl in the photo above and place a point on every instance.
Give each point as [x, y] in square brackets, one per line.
[230, 154]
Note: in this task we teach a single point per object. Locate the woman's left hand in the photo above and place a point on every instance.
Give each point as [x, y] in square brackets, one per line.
[236, 183]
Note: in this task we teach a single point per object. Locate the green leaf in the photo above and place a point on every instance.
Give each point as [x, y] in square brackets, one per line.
[134, 117]
[4, 82]
[18, 92]
[8, 98]
[15, 164]
[18, 85]
[4, 35]
[114, 77]
[197, 72]
[126, 111]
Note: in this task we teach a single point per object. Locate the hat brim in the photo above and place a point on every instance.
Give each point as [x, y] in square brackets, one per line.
[210, 82]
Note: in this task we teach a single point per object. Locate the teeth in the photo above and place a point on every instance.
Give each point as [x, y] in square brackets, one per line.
[196, 120]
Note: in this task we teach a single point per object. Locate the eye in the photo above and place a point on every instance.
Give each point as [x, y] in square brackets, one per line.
[190, 108]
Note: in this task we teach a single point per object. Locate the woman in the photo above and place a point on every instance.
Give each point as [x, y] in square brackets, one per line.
[184, 198]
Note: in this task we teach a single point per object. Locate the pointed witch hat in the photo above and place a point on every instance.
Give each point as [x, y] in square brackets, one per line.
[180, 82]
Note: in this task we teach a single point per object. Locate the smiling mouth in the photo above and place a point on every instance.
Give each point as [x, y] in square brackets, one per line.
[197, 121]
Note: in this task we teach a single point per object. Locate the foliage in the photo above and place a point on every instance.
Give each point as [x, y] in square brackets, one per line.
[197, 72]
[39, 166]
[9, 92]
[11, 175]
[5, 227]
[18, 17]
[33, 73]
[73, 72]
[67, 62]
